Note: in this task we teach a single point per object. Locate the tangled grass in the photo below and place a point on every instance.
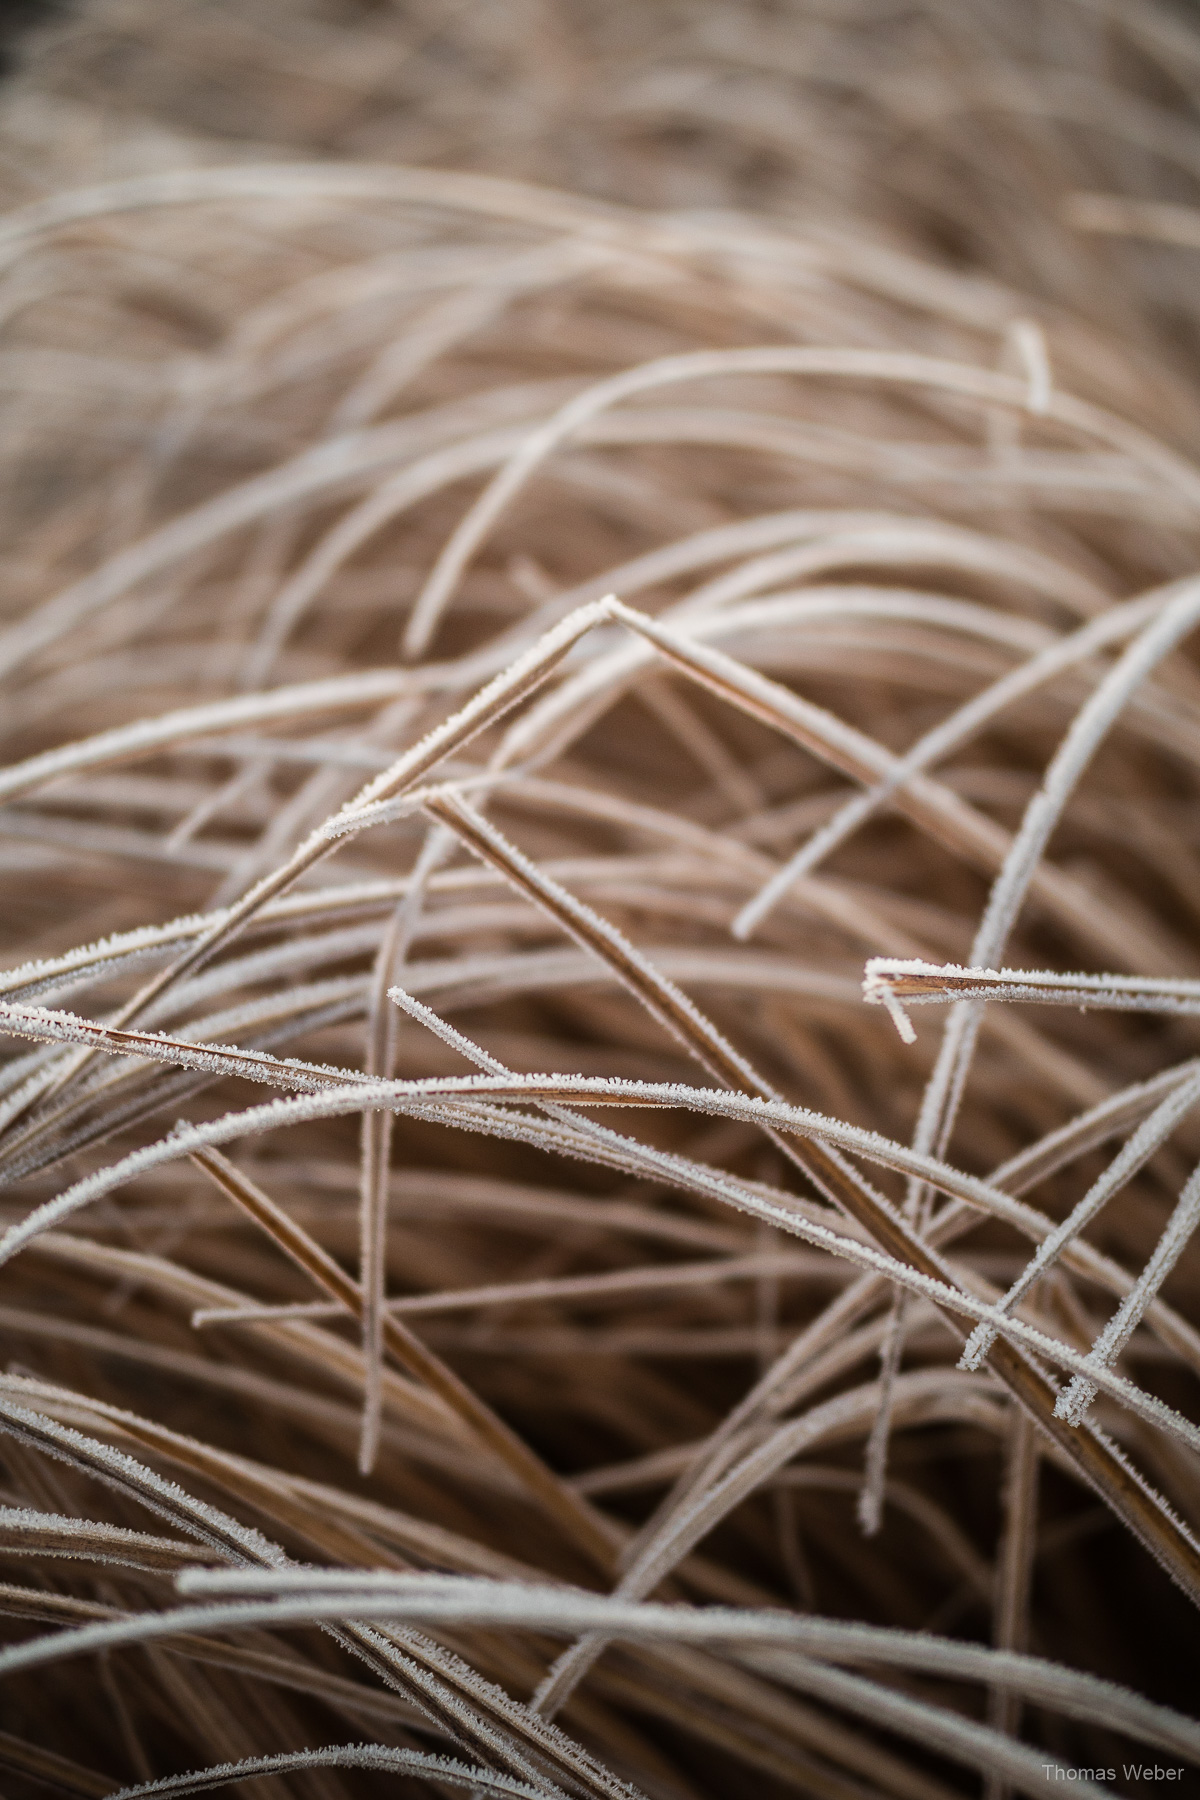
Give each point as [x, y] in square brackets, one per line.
[543, 544]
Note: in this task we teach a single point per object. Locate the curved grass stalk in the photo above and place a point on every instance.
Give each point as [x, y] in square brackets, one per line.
[374, 1758]
[943, 1093]
[1097, 1460]
[476, 1713]
[201, 1522]
[780, 1385]
[429, 1598]
[1109, 628]
[885, 366]
[680, 1534]
[464, 1100]
[278, 458]
[488, 704]
[948, 819]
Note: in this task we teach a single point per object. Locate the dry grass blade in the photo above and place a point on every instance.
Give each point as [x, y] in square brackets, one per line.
[538, 540]
[834, 1177]
[570, 1513]
[369, 1757]
[1074, 1402]
[894, 983]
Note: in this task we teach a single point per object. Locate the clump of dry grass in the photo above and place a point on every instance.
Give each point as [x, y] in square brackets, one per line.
[539, 543]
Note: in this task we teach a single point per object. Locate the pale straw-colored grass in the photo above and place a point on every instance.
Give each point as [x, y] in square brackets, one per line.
[551, 554]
